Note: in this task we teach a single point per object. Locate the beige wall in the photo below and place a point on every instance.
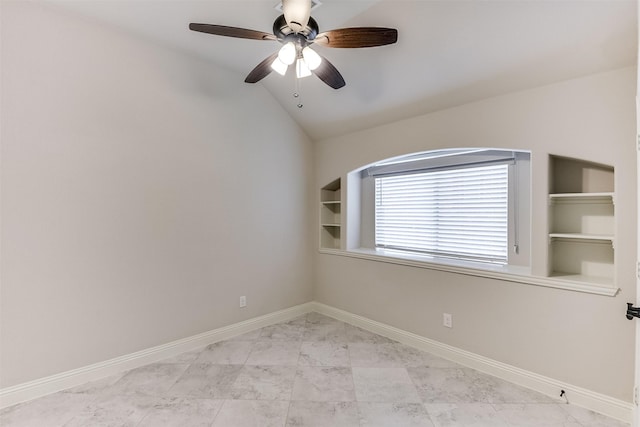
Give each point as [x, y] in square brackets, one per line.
[143, 192]
[579, 338]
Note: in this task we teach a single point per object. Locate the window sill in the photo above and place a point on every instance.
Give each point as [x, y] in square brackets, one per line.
[507, 273]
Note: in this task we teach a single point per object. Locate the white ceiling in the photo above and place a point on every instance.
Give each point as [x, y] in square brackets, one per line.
[449, 52]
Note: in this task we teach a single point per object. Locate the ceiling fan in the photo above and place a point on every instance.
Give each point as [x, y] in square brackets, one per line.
[298, 31]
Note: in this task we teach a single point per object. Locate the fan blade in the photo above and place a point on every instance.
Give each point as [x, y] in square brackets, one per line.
[222, 30]
[329, 74]
[262, 70]
[357, 37]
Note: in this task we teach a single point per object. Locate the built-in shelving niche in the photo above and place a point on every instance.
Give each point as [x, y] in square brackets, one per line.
[331, 215]
[581, 221]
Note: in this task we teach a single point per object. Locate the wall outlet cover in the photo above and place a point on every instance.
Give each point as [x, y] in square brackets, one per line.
[447, 320]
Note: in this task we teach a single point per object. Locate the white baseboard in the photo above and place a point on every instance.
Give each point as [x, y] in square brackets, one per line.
[54, 383]
[579, 396]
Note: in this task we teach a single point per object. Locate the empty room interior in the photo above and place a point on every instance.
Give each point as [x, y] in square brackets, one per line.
[335, 213]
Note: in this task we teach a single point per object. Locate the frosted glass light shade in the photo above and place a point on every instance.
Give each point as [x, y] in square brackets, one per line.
[287, 53]
[312, 59]
[302, 69]
[279, 67]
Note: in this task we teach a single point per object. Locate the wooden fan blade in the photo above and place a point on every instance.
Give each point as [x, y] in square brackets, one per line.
[222, 30]
[329, 74]
[262, 70]
[357, 37]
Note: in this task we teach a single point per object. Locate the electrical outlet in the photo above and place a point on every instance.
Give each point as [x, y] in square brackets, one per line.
[243, 301]
[447, 320]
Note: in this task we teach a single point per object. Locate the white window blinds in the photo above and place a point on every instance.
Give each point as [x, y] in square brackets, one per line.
[458, 213]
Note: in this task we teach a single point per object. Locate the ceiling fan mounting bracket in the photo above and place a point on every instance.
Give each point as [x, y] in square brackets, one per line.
[314, 5]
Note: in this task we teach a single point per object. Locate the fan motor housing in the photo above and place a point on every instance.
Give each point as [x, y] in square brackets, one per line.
[281, 30]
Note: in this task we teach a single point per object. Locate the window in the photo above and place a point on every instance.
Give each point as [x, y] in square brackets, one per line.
[464, 204]
[458, 213]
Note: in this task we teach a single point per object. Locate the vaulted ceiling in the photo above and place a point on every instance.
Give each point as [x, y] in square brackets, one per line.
[449, 52]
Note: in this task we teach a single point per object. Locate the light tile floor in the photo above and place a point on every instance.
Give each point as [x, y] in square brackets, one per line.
[311, 371]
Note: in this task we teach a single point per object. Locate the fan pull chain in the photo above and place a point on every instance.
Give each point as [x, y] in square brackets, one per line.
[296, 93]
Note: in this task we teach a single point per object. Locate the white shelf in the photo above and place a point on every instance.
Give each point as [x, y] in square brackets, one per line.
[602, 197]
[331, 215]
[582, 236]
[582, 222]
[580, 195]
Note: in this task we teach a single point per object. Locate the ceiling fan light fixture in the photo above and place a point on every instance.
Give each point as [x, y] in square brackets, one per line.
[296, 30]
[296, 13]
[287, 53]
[279, 67]
[311, 57]
[302, 69]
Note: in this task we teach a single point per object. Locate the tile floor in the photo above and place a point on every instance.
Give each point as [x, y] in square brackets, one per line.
[311, 371]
